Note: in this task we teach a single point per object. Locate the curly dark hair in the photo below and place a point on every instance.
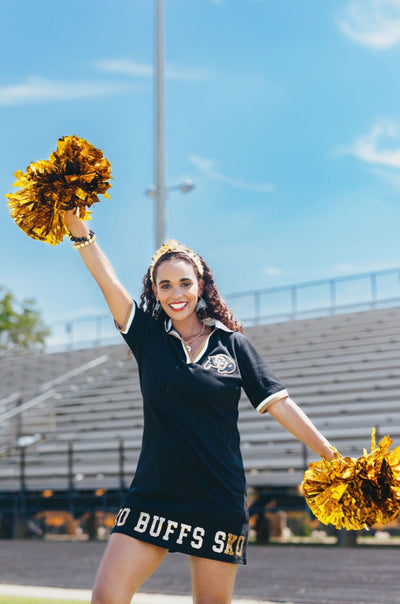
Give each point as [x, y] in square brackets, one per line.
[216, 305]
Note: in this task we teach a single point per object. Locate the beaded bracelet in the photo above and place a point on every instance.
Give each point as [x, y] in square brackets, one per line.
[81, 239]
[84, 241]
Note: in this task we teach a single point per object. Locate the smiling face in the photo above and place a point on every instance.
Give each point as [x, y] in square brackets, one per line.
[178, 289]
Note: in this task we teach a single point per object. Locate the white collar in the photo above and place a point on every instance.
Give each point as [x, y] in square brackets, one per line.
[216, 325]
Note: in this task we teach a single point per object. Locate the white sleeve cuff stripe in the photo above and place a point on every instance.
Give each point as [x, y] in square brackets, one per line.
[266, 403]
[130, 319]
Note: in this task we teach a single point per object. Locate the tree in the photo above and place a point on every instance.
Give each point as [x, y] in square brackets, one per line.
[21, 325]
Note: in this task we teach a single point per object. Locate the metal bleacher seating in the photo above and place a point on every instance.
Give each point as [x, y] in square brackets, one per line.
[343, 370]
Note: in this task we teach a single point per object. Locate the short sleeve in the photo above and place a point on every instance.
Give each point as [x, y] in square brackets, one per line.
[136, 330]
[125, 330]
[259, 383]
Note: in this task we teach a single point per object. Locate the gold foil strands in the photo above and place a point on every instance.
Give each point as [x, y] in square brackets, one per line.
[356, 493]
[73, 176]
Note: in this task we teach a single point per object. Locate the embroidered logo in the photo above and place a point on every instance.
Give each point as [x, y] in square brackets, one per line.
[221, 362]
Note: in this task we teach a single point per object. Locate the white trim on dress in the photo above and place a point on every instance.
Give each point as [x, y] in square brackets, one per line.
[129, 322]
[266, 403]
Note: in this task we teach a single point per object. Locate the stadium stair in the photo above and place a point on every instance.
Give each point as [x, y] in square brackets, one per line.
[343, 370]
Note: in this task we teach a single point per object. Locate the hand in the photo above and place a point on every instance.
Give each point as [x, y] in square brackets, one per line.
[331, 454]
[76, 227]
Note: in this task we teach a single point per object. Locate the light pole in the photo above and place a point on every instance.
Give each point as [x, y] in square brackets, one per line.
[159, 190]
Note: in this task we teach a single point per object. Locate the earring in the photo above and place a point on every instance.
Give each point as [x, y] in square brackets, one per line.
[157, 310]
[201, 305]
[202, 314]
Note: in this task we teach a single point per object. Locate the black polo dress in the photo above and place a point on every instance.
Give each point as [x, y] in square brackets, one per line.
[188, 493]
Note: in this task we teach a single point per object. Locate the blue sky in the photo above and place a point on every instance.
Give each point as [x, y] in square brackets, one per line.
[286, 116]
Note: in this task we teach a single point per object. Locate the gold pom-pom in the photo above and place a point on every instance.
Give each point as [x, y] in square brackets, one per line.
[356, 493]
[73, 177]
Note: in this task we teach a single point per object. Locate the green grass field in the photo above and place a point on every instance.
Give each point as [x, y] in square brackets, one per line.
[32, 600]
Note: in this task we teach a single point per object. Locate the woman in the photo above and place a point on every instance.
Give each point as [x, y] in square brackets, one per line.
[188, 493]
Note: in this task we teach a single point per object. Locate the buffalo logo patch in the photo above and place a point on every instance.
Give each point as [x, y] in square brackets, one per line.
[221, 362]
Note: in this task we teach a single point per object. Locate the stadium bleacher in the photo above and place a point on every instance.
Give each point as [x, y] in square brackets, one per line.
[344, 371]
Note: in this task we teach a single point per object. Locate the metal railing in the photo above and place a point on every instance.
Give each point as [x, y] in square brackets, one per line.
[362, 291]
[23, 423]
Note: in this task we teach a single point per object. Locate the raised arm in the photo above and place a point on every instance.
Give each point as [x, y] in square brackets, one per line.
[118, 300]
[291, 417]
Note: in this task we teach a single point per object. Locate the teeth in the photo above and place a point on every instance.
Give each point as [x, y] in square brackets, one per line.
[179, 305]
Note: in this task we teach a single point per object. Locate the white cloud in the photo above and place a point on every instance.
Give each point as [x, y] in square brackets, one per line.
[273, 271]
[146, 70]
[175, 73]
[372, 23]
[39, 90]
[125, 67]
[209, 168]
[368, 147]
[389, 176]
